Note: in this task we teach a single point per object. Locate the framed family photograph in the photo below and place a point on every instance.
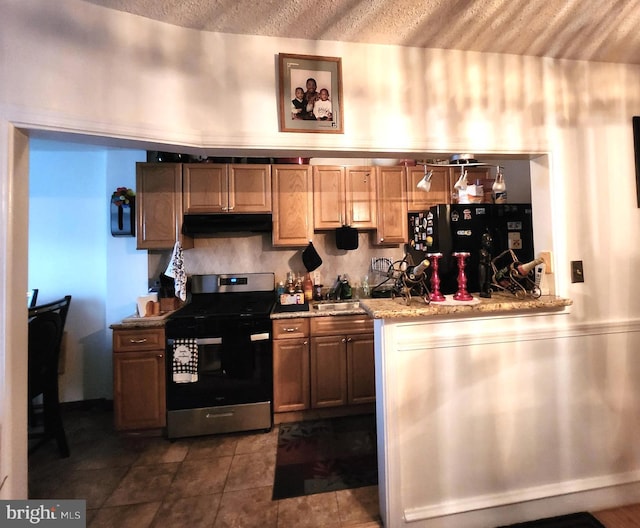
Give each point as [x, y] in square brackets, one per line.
[310, 94]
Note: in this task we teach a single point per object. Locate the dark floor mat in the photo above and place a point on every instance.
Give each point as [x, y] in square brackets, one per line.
[325, 455]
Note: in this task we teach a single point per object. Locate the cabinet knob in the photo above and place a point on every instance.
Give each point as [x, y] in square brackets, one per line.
[291, 329]
[344, 340]
[138, 341]
[349, 339]
[160, 356]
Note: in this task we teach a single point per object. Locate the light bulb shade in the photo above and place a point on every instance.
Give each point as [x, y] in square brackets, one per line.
[425, 183]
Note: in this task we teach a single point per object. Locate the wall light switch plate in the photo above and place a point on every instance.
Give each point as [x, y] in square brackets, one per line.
[577, 273]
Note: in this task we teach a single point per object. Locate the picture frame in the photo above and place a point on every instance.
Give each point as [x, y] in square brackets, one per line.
[320, 109]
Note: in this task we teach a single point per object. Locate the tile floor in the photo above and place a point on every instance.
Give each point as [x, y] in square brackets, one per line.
[219, 481]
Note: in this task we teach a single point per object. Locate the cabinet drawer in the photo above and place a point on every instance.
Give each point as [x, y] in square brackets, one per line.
[290, 328]
[138, 339]
[341, 324]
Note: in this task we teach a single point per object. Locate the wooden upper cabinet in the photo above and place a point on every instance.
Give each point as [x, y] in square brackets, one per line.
[249, 188]
[221, 188]
[292, 205]
[360, 197]
[159, 206]
[328, 197]
[440, 192]
[344, 196]
[392, 225]
[206, 188]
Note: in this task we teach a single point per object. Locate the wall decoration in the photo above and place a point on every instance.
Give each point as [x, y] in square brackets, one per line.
[123, 218]
[310, 95]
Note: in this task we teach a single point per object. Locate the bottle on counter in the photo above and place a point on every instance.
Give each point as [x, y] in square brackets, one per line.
[345, 288]
[290, 285]
[308, 288]
[280, 290]
[366, 289]
[299, 288]
[416, 272]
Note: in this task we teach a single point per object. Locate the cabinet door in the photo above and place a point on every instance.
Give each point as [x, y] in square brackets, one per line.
[292, 205]
[360, 198]
[139, 390]
[361, 369]
[328, 371]
[159, 205]
[392, 206]
[328, 197]
[205, 188]
[250, 188]
[440, 192]
[290, 374]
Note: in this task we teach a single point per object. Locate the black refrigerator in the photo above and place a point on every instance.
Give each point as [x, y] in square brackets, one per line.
[449, 228]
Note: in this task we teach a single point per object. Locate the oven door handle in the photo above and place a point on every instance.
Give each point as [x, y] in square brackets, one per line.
[202, 341]
[264, 336]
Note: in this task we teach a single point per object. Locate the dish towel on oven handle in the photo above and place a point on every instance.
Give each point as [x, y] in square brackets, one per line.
[185, 360]
[175, 269]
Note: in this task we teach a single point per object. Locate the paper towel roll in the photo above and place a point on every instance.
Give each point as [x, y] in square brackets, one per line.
[142, 303]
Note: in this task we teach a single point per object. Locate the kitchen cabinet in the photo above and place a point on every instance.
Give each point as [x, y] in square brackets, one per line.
[139, 383]
[391, 225]
[290, 365]
[344, 196]
[440, 192]
[342, 361]
[159, 206]
[226, 188]
[292, 193]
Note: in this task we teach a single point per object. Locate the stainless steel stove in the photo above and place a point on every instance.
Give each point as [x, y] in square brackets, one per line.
[219, 356]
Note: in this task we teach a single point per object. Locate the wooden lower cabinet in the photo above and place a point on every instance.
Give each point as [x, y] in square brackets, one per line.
[290, 375]
[323, 362]
[139, 383]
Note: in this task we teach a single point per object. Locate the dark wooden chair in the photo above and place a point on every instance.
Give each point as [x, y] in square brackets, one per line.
[46, 326]
[32, 298]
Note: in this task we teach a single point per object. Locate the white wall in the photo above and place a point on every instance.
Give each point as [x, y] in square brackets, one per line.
[71, 252]
[76, 67]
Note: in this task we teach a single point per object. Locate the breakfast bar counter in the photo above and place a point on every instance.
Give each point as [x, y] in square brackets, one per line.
[485, 417]
[498, 303]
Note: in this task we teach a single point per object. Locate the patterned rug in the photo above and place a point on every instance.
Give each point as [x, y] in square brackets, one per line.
[325, 455]
[574, 520]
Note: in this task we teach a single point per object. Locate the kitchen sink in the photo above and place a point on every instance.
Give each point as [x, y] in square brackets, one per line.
[335, 306]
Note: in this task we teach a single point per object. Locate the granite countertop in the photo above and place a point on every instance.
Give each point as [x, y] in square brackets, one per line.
[498, 303]
[135, 321]
[313, 312]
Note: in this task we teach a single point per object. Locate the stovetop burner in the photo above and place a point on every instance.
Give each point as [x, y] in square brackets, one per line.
[215, 296]
[224, 304]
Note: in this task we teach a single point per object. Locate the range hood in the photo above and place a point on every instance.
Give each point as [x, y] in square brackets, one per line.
[208, 224]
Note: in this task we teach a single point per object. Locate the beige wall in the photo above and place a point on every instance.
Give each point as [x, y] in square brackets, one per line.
[78, 68]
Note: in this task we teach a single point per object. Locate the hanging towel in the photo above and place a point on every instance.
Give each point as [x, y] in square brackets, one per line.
[185, 360]
[175, 269]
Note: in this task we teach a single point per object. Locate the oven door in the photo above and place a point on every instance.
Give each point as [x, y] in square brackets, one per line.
[234, 367]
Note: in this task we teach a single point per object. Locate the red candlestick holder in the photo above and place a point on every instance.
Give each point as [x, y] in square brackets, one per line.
[462, 294]
[436, 295]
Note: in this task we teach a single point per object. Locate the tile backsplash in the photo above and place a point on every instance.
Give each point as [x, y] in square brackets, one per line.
[254, 253]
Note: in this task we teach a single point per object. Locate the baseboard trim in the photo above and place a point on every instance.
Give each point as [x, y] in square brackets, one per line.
[511, 498]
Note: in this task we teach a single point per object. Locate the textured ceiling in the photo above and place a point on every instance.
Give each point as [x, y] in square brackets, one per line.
[599, 30]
